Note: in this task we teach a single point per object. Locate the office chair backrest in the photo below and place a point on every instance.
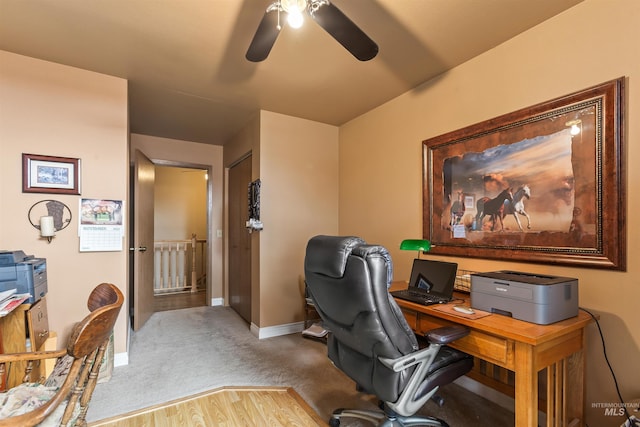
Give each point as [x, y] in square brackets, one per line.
[348, 281]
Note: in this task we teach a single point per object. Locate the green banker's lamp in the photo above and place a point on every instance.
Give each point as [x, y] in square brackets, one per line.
[415, 245]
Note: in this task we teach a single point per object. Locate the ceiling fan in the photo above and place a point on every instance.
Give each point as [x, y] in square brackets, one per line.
[328, 16]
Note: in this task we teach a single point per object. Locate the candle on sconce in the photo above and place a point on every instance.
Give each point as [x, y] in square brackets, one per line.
[46, 226]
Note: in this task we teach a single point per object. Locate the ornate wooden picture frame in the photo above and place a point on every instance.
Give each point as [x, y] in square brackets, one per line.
[50, 174]
[543, 184]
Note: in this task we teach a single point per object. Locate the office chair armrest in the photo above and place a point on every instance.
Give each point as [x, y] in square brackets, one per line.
[401, 363]
[446, 334]
[437, 338]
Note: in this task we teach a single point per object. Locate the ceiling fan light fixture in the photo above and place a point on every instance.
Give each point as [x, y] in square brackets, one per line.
[322, 12]
[295, 19]
[292, 6]
[294, 9]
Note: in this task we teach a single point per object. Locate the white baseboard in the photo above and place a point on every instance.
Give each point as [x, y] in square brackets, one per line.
[217, 301]
[275, 331]
[120, 359]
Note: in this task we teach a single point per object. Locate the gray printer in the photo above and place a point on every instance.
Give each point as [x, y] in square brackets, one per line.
[23, 272]
[525, 296]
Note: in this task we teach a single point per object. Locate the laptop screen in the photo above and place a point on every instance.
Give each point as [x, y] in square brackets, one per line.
[436, 277]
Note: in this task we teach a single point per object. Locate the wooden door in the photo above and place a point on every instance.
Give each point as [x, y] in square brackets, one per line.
[144, 178]
[239, 240]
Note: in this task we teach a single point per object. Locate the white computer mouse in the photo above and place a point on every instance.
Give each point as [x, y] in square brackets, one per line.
[463, 309]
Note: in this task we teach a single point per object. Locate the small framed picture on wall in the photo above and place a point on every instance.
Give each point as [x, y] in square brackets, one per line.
[50, 174]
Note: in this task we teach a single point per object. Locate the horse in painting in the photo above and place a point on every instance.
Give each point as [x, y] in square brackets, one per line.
[493, 208]
[516, 207]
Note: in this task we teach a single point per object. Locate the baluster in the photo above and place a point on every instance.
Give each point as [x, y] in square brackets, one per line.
[203, 264]
[194, 274]
[165, 268]
[173, 269]
[157, 258]
[182, 248]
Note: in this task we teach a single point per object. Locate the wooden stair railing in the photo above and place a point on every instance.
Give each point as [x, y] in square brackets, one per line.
[179, 265]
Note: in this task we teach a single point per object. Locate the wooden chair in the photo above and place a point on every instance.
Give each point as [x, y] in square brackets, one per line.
[80, 362]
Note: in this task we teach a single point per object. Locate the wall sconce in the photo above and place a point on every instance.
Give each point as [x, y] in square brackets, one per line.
[47, 229]
[415, 245]
[52, 216]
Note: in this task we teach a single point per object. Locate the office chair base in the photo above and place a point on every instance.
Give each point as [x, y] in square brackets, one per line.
[379, 419]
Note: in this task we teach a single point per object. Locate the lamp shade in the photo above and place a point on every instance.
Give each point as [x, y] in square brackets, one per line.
[415, 245]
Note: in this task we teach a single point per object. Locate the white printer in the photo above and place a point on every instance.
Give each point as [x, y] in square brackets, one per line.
[23, 272]
[525, 296]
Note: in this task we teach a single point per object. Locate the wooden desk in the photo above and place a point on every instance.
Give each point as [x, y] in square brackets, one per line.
[524, 348]
[26, 322]
[13, 339]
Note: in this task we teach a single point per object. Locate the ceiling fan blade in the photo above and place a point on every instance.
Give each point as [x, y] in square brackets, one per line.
[265, 36]
[341, 28]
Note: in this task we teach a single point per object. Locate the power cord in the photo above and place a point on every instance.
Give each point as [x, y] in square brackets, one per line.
[635, 422]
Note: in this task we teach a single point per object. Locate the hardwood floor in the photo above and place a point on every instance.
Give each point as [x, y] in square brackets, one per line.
[226, 407]
[180, 300]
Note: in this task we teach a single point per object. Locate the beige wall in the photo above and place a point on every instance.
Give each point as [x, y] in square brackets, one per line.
[163, 150]
[246, 142]
[299, 173]
[180, 203]
[297, 162]
[381, 162]
[50, 109]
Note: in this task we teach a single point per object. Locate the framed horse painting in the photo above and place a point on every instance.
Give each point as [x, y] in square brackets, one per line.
[543, 184]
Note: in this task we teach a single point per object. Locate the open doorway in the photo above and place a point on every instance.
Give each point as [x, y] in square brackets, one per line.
[180, 237]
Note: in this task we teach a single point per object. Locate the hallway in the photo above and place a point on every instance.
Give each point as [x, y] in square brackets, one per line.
[179, 300]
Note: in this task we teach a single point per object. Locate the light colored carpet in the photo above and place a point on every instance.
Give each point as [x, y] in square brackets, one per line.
[182, 352]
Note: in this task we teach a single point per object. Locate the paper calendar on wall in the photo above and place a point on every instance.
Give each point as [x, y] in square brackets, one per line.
[101, 225]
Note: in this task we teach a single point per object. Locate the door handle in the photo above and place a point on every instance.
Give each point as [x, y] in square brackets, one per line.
[140, 249]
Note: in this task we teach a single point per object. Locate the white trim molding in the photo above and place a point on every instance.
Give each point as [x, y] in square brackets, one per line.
[275, 331]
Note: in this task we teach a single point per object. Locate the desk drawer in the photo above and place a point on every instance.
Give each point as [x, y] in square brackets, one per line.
[38, 322]
[496, 350]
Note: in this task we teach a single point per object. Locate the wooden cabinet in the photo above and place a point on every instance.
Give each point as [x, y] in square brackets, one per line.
[26, 328]
[38, 324]
[13, 339]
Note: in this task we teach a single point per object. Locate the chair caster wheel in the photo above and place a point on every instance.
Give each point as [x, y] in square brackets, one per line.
[334, 422]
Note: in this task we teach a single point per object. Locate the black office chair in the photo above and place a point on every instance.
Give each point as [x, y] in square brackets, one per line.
[369, 338]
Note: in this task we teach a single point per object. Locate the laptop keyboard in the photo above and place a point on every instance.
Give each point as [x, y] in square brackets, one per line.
[418, 297]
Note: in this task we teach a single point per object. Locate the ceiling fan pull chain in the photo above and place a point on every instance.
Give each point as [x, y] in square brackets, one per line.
[279, 27]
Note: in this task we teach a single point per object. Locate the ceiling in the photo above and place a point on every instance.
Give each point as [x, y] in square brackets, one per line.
[186, 67]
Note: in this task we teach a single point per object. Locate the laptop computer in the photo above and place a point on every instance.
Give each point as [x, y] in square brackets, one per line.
[431, 282]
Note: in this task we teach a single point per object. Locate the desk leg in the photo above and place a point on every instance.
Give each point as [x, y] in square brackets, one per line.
[575, 383]
[526, 392]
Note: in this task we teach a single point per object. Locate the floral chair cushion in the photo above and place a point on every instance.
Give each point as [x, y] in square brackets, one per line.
[29, 396]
